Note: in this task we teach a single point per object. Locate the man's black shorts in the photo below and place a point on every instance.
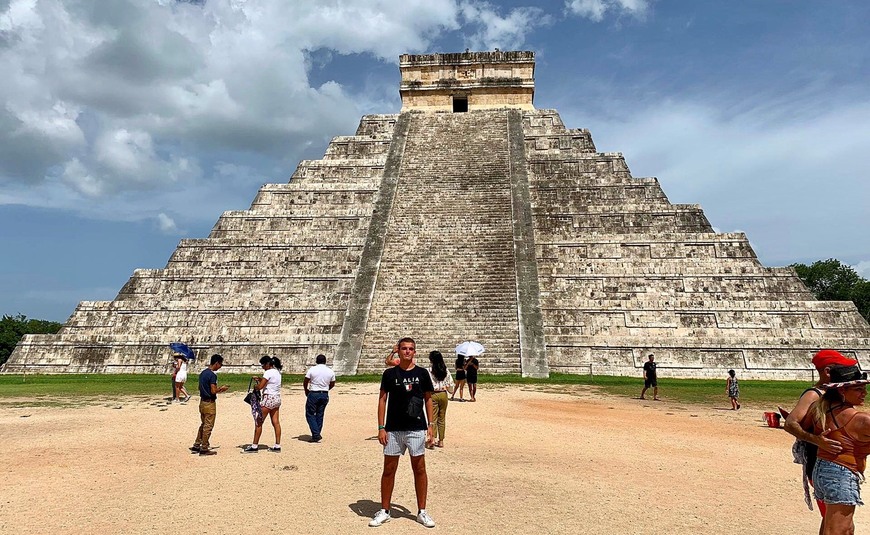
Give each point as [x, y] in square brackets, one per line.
[650, 383]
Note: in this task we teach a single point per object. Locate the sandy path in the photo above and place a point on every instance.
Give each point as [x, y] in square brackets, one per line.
[541, 459]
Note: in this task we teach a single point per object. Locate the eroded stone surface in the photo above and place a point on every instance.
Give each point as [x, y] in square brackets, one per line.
[498, 225]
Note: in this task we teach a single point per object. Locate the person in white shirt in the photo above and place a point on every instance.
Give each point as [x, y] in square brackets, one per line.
[181, 394]
[270, 387]
[317, 383]
[443, 383]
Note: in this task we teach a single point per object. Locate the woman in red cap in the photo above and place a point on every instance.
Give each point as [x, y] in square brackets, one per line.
[837, 477]
[799, 423]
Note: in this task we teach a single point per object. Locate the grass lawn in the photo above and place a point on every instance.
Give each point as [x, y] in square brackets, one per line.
[694, 391]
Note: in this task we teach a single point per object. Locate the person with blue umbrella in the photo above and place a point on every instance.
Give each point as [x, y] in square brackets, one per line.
[182, 354]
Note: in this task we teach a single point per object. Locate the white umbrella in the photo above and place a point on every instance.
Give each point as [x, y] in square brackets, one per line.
[470, 349]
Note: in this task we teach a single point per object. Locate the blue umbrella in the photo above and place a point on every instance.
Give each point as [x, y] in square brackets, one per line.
[183, 350]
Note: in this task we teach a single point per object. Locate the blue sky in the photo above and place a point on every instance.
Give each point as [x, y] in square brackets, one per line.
[128, 125]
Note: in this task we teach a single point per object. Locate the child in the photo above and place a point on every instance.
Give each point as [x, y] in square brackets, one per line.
[733, 390]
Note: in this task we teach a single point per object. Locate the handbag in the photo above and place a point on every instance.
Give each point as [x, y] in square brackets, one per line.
[251, 392]
[415, 407]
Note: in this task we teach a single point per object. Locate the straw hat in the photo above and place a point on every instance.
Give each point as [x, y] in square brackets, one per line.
[846, 376]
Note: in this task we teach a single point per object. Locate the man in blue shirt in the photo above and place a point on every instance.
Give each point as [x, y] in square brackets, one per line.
[208, 391]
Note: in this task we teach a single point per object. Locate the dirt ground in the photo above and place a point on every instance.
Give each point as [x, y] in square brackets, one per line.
[538, 459]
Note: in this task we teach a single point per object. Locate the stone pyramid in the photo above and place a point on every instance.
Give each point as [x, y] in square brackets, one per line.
[470, 215]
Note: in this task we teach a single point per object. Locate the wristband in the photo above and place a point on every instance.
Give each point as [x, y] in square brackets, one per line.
[380, 427]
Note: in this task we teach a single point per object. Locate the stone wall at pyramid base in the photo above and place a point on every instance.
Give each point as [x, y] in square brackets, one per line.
[683, 360]
[46, 354]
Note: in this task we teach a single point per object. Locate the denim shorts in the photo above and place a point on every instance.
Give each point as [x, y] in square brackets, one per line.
[836, 484]
[414, 442]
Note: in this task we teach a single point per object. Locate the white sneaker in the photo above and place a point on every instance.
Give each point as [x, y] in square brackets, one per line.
[424, 518]
[380, 517]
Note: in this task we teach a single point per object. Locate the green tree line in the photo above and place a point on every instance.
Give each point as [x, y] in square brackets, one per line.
[13, 328]
[829, 280]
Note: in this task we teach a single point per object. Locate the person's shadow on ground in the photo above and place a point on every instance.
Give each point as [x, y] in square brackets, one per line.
[368, 508]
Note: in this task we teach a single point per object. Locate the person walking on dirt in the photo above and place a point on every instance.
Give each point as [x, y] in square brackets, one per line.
[402, 426]
[318, 381]
[732, 389]
[442, 381]
[208, 391]
[471, 367]
[270, 405]
[459, 365]
[181, 394]
[650, 379]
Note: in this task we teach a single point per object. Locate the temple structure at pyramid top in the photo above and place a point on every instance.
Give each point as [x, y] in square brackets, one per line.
[467, 81]
[469, 215]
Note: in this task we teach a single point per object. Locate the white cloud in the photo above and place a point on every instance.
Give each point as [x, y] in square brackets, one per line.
[122, 151]
[77, 176]
[497, 31]
[863, 269]
[596, 10]
[385, 28]
[166, 224]
[792, 175]
[104, 100]
[134, 108]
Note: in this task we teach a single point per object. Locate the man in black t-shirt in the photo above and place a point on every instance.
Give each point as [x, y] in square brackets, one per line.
[649, 378]
[402, 425]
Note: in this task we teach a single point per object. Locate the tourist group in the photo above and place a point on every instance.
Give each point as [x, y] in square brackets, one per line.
[411, 414]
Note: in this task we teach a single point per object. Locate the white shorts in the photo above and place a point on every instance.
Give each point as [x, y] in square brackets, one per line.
[181, 377]
[271, 401]
[399, 441]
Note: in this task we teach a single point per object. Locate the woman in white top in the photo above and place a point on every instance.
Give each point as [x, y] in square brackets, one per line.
[270, 387]
[442, 382]
[180, 378]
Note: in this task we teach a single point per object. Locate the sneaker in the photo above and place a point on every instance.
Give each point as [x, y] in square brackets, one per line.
[251, 449]
[424, 518]
[380, 517]
[207, 452]
[187, 399]
[195, 449]
[274, 449]
[316, 438]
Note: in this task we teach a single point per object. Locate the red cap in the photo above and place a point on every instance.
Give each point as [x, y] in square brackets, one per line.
[829, 357]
